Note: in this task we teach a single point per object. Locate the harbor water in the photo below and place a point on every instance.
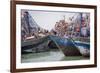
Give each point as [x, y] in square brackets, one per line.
[53, 55]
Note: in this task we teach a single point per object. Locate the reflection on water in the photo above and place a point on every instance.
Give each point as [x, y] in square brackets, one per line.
[54, 55]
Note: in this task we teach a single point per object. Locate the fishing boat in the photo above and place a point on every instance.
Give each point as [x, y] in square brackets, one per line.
[35, 45]
[66, 46]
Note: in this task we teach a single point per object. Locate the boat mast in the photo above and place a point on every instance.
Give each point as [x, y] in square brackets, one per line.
[64, 17]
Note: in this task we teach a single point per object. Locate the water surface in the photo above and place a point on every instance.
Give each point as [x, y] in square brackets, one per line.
[53, 55]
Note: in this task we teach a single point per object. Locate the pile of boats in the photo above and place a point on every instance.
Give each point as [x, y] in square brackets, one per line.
[68, 46]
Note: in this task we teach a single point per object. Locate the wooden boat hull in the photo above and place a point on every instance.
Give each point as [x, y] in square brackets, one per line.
[66, 46]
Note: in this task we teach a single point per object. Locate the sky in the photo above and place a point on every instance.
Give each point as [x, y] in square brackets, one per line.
[48, 19]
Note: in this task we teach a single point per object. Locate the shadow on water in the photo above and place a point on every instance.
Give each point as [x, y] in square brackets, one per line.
[73, 58]
[52, 55]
